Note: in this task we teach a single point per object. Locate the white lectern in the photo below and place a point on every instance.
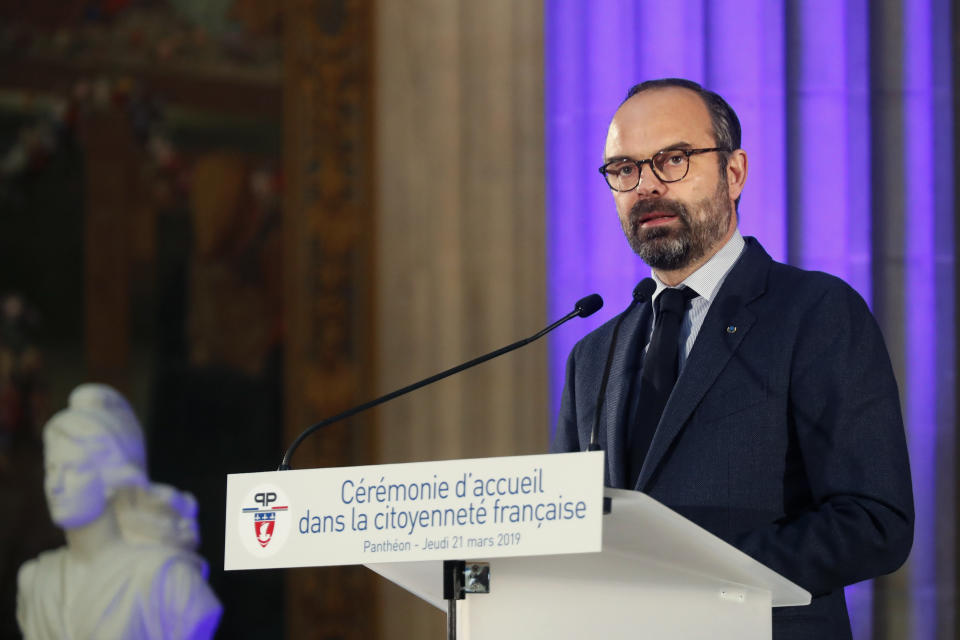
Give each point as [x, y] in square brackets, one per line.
[560, 564]
[658, 576]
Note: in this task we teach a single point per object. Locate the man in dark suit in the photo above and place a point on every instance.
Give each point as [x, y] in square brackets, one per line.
[782, 433]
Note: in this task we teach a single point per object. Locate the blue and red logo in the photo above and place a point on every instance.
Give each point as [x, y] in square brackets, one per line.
[269, 510]
[263, 524]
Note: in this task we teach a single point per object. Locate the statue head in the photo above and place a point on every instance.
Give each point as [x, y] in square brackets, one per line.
[92, 449]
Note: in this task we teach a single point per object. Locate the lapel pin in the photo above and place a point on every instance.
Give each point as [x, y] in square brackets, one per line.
[732, 329]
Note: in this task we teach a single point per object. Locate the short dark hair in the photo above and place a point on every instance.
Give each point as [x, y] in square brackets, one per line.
[726, 124]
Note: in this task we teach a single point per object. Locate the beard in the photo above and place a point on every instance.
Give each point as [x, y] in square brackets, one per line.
[667, 248]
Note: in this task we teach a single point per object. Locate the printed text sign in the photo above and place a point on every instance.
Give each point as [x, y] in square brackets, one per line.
[452, 509]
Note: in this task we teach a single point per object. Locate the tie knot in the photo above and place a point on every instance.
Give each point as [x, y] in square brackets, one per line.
[675, 300]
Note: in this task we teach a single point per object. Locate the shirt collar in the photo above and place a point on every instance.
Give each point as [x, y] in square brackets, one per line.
[707, 279]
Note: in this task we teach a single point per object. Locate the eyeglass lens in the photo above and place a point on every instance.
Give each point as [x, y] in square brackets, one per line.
[669, 166]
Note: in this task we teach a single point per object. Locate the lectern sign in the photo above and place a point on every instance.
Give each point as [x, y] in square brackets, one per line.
[453, 509]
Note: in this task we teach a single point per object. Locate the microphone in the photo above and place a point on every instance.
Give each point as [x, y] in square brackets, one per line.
[584, 307]
[641, 293]
[589, 305]
[644, 290]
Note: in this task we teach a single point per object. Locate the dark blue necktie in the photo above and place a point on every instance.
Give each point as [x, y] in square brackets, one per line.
[658, 375]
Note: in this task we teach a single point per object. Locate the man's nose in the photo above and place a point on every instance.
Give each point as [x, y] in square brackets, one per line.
[649, 184]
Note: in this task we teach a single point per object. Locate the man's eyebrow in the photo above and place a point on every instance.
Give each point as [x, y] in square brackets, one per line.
[681, 144]
[677, 145]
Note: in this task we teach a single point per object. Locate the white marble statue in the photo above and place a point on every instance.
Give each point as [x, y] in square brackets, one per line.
[128, 570]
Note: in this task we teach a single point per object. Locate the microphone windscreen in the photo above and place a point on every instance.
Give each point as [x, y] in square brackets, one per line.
[588, 305]
[643, 291]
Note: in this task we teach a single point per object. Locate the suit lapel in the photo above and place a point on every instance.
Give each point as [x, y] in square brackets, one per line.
[617, 405]
[714, 347]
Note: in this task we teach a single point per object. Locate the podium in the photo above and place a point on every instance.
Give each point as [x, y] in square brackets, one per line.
[647, 573]
[657, 576]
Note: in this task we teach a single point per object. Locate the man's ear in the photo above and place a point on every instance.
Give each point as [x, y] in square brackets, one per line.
[736, 172]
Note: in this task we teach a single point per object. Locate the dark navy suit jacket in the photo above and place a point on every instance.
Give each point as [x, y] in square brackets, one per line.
[783, 435]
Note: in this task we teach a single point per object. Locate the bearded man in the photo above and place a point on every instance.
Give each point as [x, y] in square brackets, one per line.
[752, 397]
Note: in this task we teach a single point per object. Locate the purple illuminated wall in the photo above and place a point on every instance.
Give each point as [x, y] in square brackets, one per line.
[847, 120]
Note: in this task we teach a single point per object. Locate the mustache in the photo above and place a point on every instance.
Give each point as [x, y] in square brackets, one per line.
[643, 207]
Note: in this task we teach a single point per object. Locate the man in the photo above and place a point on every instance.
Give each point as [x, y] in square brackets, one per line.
[782, 433]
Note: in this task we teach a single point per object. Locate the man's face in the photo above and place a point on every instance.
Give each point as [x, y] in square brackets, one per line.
[671, 225]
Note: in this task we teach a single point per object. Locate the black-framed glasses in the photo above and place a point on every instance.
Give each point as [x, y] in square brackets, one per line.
[669, 165]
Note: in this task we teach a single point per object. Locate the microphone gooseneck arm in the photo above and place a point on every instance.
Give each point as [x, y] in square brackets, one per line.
[583, 308]
[641, 293]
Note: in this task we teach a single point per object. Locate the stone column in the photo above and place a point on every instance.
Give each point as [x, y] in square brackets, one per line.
[327, 243]
[460, 251]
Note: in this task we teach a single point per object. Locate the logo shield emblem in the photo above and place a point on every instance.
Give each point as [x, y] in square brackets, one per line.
[267, 506]
[263, 524]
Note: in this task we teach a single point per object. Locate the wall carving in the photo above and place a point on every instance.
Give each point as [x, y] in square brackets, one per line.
[328, 253]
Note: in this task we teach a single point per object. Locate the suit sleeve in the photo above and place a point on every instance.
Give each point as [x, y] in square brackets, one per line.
[844, 412]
